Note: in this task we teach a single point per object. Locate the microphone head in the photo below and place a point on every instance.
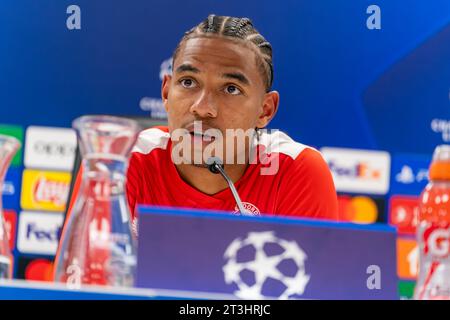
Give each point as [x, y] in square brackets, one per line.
[213, 163]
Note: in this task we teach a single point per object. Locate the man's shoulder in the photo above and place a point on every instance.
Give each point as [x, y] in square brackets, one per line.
[155, 138]
[297, 154]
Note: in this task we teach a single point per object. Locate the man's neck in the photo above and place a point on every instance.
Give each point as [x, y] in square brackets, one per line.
[207, 182]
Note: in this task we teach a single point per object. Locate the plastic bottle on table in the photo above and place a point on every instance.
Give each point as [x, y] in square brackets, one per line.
[433, 231]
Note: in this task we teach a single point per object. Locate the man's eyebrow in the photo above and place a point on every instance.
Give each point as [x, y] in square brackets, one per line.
[237, 76]
[187, 68]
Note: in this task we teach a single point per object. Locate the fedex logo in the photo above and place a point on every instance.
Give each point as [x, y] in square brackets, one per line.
[34, 232]
[359, 171]
[39, 232]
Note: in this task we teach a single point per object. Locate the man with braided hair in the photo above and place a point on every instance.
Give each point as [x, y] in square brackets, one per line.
[221, 82]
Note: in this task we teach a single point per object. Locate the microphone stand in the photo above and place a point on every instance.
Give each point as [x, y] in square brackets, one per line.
[215, 166]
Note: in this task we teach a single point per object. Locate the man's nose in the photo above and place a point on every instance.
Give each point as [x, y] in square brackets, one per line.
[204, 106]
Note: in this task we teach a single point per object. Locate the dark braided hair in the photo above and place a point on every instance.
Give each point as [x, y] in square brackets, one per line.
[237, 28]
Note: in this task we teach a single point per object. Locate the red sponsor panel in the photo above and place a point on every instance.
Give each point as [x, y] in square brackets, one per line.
[403, 211]
[11, 227]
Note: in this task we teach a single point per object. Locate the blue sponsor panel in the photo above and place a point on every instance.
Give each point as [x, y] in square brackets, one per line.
[409, 173]
[11, 188]
[261, 257]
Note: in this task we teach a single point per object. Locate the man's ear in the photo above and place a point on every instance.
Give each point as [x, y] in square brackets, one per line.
[165, 90]
[269, 108]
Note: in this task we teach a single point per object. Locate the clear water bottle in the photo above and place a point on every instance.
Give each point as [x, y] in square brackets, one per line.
[8, 148]
[433, 231]
[97, 246]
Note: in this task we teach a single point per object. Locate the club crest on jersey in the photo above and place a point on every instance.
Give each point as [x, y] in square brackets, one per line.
[249, 207]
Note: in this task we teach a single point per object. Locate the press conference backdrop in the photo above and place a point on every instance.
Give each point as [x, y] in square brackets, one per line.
[367, 82]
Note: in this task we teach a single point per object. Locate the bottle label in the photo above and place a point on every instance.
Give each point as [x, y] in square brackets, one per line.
[437, 241]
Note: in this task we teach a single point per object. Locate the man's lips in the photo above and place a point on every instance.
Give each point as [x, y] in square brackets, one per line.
[201, 134]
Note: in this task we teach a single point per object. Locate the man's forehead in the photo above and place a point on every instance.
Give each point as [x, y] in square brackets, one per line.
[216, 51]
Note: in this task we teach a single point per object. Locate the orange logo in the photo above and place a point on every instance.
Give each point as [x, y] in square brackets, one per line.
[407, 258]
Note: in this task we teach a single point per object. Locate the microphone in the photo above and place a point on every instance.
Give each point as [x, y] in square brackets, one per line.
[215, 165]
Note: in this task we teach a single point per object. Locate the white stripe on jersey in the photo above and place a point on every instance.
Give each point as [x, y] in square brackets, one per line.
[276, 141]
[279, 142]
[151, 139]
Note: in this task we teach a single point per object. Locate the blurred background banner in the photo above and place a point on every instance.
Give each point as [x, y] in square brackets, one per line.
[342, 81]
[365, 81]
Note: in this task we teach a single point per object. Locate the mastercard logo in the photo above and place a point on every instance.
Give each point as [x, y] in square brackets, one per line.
[39, 270]
[359, 209]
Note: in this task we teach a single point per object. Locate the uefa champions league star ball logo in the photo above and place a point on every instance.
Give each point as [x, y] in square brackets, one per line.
[262, 263]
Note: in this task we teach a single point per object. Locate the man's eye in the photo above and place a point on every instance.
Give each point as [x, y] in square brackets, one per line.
[233, 90]
[187, 83]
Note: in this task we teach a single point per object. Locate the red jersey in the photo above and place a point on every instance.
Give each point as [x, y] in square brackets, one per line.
[302, 186]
